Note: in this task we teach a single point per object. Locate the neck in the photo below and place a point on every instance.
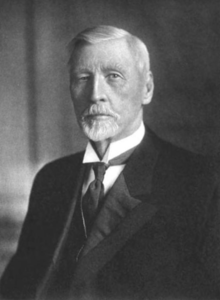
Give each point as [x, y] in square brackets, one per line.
[101, 147]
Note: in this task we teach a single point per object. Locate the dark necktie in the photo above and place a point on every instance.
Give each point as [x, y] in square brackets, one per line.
[92, 200]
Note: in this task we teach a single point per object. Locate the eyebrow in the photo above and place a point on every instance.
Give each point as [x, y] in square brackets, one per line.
[114, 67]
[108, 67]
[80, 70]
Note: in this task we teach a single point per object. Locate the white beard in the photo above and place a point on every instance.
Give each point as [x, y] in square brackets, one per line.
[98, 130]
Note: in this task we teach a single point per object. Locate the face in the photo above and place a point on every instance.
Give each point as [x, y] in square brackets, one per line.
[108, 90]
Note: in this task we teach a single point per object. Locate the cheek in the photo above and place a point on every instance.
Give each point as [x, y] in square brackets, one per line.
[127, 98]
[76, 92]
[128, 107]
[79, 106]
[77, 110]
[130, 89]
[119, 97]
[79, 103]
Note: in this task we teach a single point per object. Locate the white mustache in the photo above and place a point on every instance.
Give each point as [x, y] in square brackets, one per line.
[99, 109]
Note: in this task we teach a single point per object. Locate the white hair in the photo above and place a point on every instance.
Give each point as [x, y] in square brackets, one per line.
[103, 33]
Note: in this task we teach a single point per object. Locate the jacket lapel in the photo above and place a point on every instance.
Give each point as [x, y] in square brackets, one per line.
[137, 179]
[117, 205]
[139, 171]
[91, 263]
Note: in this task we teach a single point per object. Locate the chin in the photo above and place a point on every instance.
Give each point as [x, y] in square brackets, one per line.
[100, 130]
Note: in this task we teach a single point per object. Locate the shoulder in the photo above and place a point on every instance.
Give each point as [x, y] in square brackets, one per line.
[186, 160]
[64, 162]
[60, 169]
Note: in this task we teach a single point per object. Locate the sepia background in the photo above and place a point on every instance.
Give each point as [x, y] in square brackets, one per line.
[37, 122]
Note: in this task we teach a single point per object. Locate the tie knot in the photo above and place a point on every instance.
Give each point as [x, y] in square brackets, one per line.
[99, 170]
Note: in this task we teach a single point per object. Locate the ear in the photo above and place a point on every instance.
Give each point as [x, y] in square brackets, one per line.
[148, 89]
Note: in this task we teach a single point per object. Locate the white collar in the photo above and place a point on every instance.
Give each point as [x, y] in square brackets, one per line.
[115, 148]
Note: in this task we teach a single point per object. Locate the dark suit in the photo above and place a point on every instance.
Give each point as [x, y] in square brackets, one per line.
[166, 247]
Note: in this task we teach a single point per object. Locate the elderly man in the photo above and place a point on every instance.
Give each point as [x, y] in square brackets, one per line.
[132, 217]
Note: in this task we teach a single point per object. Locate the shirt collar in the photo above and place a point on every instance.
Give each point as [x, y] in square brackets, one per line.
[115, 148]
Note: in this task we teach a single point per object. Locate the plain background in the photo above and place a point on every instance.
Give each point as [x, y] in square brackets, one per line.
[37, 122]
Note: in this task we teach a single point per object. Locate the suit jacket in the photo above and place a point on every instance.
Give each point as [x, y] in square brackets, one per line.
[166, 247]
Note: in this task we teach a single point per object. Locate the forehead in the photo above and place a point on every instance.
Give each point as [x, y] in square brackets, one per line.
[112, 52]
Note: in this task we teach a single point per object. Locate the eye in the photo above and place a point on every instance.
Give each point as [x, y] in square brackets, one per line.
[83, 77]
[80, 77]
[114, 76]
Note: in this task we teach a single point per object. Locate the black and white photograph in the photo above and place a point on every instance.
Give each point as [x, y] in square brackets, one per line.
[110, 150]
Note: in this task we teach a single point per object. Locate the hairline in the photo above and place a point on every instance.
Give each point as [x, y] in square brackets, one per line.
[102, 33]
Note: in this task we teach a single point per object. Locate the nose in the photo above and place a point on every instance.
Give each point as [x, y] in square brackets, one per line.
[98, 93]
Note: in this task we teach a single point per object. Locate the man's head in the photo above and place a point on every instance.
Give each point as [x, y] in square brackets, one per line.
[110, 81]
